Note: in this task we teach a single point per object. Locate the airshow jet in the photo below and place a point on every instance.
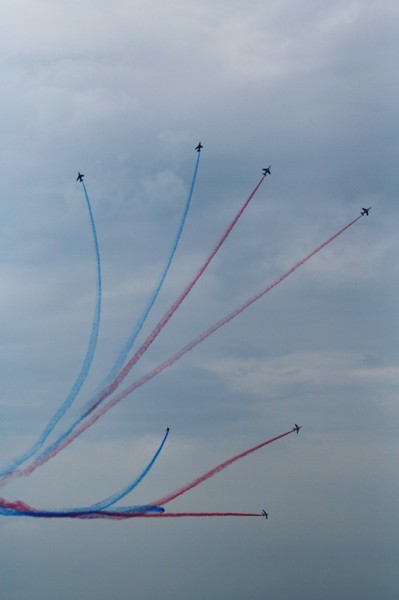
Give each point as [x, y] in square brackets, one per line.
[365, 211]
[266, 171]
[198, 148]
[79, 177]
[297, 428]
[167, 430]
[265, 514]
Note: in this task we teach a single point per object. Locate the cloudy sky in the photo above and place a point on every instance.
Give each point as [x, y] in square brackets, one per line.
[123, 92]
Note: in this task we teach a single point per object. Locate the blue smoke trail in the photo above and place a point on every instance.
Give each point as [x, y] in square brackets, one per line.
[143, 317]
[85, 366]
[26, 511]
[20, 509]
[125, 491]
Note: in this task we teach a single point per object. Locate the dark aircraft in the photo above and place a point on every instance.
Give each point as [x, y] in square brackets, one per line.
[198, 148]
[79, 177]
[265, 514]
[167, 429]
[297, 428]
[266, 171]
[365, 211]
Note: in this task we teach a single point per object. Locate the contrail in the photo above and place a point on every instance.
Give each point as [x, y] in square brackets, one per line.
[143, 317]
[77, 429]
[85, 366]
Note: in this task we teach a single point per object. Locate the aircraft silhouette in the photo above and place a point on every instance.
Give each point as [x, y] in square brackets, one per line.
[265, 514]
[365, 211]
[266, 171]
[79, 177]
[297, 428]
[198, 148]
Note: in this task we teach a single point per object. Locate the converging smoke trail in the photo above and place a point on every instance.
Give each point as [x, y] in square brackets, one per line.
[76, 430]
[217, 469]
[85, 366]
[167, 316]
[19, 508]
[143, 317]
[158, 328]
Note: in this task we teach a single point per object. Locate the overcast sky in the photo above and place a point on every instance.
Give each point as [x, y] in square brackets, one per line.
[123, 92]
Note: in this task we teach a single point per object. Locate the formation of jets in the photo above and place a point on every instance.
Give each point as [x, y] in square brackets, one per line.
[266, 171]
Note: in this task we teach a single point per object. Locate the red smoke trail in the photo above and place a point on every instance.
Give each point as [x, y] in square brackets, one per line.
[184, 514]
[167, 316]
[217, 469]
[171, 360]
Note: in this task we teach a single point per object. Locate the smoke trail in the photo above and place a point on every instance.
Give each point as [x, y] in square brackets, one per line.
[188, 514]
[217, 469]
[167, 316]
[143, 317]
[79, 427]
[125, 491]
[19, 508]
[85, 366]
[158, 328]
[119, 515]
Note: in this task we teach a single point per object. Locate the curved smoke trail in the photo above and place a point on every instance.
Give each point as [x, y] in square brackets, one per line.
[143, 317]
[103, 504]
[150, 339]
[19, 508]
[85, 366]
[77, 429]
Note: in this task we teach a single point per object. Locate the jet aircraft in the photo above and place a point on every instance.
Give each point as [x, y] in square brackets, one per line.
[365, 211]
[79, 177]
[167, 430]
[198, 148]
[297, 428]
[266, 171]
[265, 514]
